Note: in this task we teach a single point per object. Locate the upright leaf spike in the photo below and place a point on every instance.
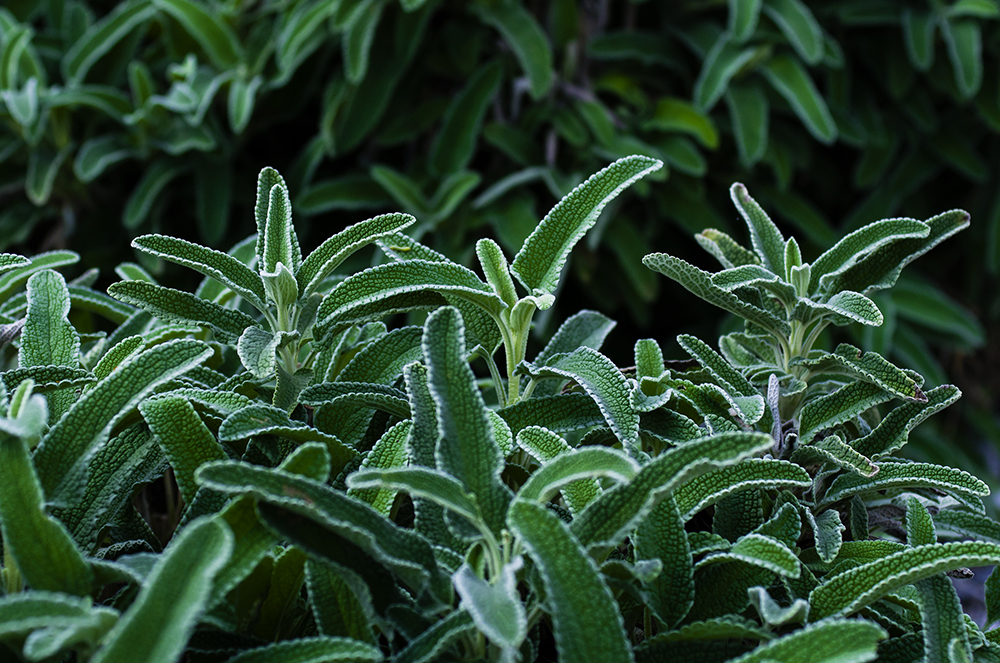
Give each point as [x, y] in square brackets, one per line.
[765, 236]
[266, 180]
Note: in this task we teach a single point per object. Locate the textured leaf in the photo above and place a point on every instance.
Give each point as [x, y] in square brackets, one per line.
[280, 243]
[173, 597]
[48, 337]
[893, 430]
[313, 649]
[906, 475]
[331, 253]
[790, 79]
[425, 482]
[846, 307]
[177, 306]
[717, 366]
[560, 413]
[858, 244]
[431, 643]
[544, 446]
[699, 283]
[661, 536]
[868, 366]
[765, 236]
[47, 378]
[382, 360]
[220, 266]
[405, 552]
[943, 622]
[389, 452]
[857, 587]
[381, 397]
[757, 550]
[612, 514]
[467, 448]
[495, 606]
[828, 533]
[603, 382]
[833, 448]
[539, 263]
[569, 468]
[838, 407]
[65, 452]
[583, 329]
[338, 609]
[528, 41]
[705, 490]
[586, 621]
[828, 641]
[496, 271]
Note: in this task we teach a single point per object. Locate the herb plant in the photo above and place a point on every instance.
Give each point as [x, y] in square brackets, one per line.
[338, 490]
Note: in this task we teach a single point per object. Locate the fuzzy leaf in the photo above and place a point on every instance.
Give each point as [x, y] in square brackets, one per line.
[906, 475]
[579, 465]
[858, 244]
[177, 306]
[834, 409]
[102, 36]
[709, 488]
[389, 452]
[828, 641]
[65, 452]
[540, 261]
[869, 366]
[526, 38]
[214, 36]
[495, 606]
[583, 329]
[312, 649]
[561, 413]
[723, 61]
[855, 588]
[585, 618]
[378, 396]
[544, 446]
[789, 78]
[431, 643]
[799, 26]
[765, 236]
[715, 364]
[495, 269]
[425, 482]
[893, 430]
[661, 536]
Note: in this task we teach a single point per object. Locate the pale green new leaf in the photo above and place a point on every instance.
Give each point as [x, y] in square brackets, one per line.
[906, 475]
[257, 350]
[827, 641]
[858, 244]
[178, 306]
[616, 511]
[403, 551]
[389, 452]
[544, 446]
[495, 268]
[215, 264]
[707, 489]
[65, 452]
[857, 587]
[330, 254]
[467, 448]
[699, 283]
[579, 465]
[725, 249]
[603, 382]
[174, 597]
[838, 407]
[540, 261]
[827, 532]
[186, 440]
[586, 621]
[754, 276]
[846, 307]
[280, 243]
[118, 354]
[495, 606]
[48, 337]
[312, 649]
[267, 179]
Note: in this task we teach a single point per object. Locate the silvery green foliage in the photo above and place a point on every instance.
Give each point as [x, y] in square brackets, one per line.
[349, 492]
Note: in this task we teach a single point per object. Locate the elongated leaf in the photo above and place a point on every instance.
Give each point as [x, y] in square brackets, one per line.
[220, 266]
[213, 35]
[661, 536]
[560, 413]
[314, 649]
[496, 271]
[765, 236]
[799, 26]
[455, 144]
[612, 514]
[858, 244]
[914, 475]
[545, 446]
[705, 490]
[892, 432]
[749, 111]
[425, 482]
[432, 642]
[965, 44]
[743, 17]
[868, 366]
[187, 441]
[842, 405]
[403, 551]
[918, 29]
[569, 468]
[176, 305]
[827, 641]
[49, 339]
[173, 597]
[102, 37]
[540, 261]
[338, 609]
[47, 378]
[790, 79]
[584, 329]
[586, 621]
[757, 550]
[467, 448]
[699, 283]
[357, 42]
[12, 279]
[723, 61]
[860, 586]
[833, 448]
[528, 41]
[842, 309]
[496, 606]
[331, 253]
[944, 624]
[603, 382]
[381, 397]
[64, 455]
[280, 243]
[720, 369]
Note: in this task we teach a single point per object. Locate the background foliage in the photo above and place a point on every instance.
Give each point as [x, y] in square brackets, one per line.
[123, 118]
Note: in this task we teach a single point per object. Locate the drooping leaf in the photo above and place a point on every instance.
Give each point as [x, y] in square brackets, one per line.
[790, 79]
[455, 144]
[709, 488]
[312, 649]
[799, 26]
[527, 39]
[827, 641]
[496, 606]
[214, 36]
[914, 475]
[722, 63]
[102, 36]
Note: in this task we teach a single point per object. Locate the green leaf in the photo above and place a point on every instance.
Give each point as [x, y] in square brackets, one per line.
[965, 48]
[455, 143]
[919, 524]
[603, 382]
[494, 265]
[675, 114]
[765, 236]
[944, 627]
[918, 30]
[721, 64]
[296, 35]
[573, 468]
[725, 249]
[525, 37]
[616, 511]
[338, 609]
[11, 280]
[186, 440]
[267, 179]
[403, 190]
[661, 537]
[155, 178]
[403, 551]
[699, 283]
[585, 329]
[429, 645]
[827, 532]
[357, 42]
[708, 489]
[544, 446]
[175, 305]
[49, 339]
[495, 606]
[832, 448]
[313, 649]
[382, 360]
[749, 112]
[868, 366]
[757, 550]
[467, 448]
[860, 243]
[215, 37]
[540, 261]
[103, 36]
[855, 588]
[43, 166]
[98, 154]
[827, 641]
[388, 453]
[434, 485]
[241, 100]
[378, 396]
[412, 277]
[906, 475]
[717, 366]
[280, 243]
[838, 407]
[217, 265]
[892, 432]
[799, 26]
[846, 307]
[586, 621]
[48, 378]
[880, 268]
[173, 597]
[39, 545]
[789, 78]
[331, 253]
[64, 455]
[926, 305]
[257, 349]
